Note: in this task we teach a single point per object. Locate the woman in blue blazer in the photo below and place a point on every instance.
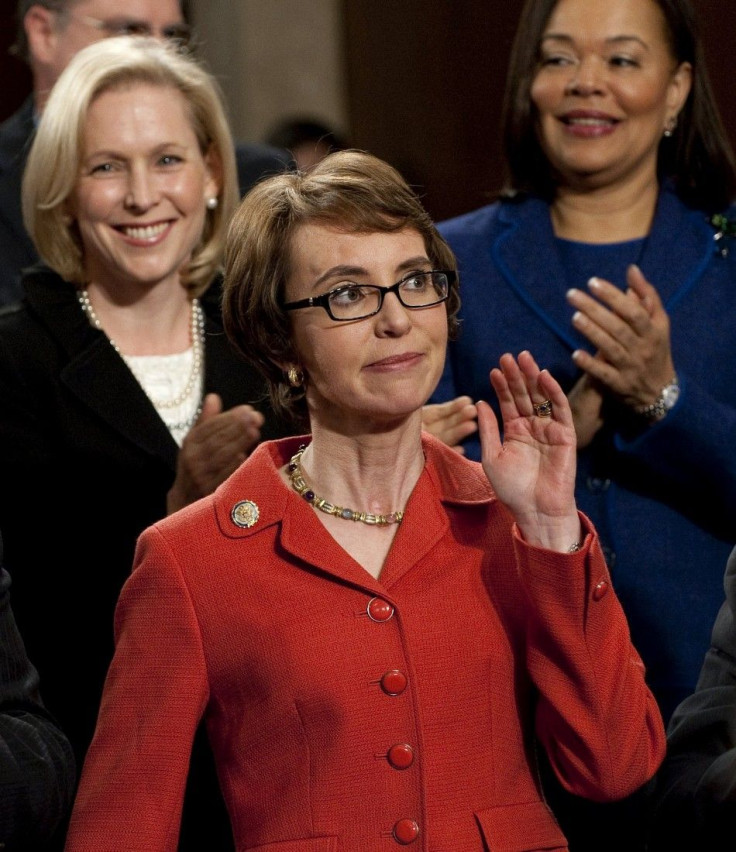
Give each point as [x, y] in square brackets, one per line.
[612, 256]
[660, 487]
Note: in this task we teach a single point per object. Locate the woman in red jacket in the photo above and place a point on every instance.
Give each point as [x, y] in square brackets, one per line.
[377, 631]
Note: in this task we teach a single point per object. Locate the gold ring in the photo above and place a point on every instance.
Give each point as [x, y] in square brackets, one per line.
[543, 409]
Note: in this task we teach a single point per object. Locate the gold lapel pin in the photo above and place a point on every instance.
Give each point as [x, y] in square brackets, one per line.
[245, 514]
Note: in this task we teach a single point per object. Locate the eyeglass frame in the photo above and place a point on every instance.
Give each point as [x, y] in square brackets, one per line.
[323, 300]
[180, 34]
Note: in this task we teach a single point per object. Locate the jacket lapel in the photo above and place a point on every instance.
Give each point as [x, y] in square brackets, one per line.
[525, 252]
[524, 249]
[446, 478]
[95, 374]
[679, 235]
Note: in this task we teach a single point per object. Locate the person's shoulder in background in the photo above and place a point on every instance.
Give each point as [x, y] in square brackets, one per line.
[37, 769]
[256, 160]
[16, 248]
[695, 795]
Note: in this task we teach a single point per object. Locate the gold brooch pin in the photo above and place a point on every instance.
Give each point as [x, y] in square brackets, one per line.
[245, 514]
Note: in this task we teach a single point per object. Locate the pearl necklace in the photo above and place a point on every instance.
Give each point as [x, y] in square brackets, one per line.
[197, 337]
[300, 486]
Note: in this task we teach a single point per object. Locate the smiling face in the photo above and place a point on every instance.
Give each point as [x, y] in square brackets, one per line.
[140, 199]
[374, 372]
[606, 89]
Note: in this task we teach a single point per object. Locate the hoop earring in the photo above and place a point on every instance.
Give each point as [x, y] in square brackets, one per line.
[295, 376]
[212, 203]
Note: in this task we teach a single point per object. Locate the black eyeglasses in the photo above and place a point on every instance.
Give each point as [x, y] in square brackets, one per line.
[349, 301]
[179, 33]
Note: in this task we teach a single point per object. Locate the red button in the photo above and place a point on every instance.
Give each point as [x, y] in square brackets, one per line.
[600, 589]
[394, 682]
[406, 831]
[401, 756]
[379, 610]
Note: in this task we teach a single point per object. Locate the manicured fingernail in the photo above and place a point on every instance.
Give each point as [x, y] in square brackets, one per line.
[571, 293]
[593, 283]
[577, 316]
[576, 355]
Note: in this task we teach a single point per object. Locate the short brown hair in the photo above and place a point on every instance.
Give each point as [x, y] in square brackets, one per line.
[349, 189]
[53, 163]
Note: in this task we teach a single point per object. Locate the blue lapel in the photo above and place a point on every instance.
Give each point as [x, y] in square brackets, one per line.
[525, 252]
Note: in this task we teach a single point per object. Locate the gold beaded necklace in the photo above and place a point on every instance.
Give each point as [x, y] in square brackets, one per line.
[300, 486]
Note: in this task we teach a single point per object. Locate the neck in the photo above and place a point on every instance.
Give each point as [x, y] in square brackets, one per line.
[157, 323]
[373, 473]
[606, 215]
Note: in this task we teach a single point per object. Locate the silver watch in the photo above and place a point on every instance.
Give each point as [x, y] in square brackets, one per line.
[663, 404]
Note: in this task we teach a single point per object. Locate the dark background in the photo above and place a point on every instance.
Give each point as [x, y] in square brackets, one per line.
[424, 82]
[425, 86]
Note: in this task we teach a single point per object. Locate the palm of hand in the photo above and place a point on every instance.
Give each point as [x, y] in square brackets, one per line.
[533, 467]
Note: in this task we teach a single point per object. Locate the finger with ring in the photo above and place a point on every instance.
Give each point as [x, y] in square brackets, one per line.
[543, 409]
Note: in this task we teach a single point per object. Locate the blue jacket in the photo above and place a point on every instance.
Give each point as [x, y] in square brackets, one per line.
[663, 498]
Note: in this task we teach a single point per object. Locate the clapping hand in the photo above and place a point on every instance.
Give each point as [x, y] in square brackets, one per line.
[631, 331]
[451, 421]
[216, 445]
[532, 470]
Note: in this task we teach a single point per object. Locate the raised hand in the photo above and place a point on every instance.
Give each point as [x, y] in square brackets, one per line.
[532, 469]
[216, 445]
[631, 331]
[451, 421]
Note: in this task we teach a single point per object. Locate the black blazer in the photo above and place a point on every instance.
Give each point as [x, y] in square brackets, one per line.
[37, 772]
[86, 463]
[254, 161]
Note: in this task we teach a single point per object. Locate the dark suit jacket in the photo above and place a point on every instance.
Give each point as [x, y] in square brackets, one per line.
[254, 162]
[16, 248]
[85, 463]
[37, 773]
[696, 786]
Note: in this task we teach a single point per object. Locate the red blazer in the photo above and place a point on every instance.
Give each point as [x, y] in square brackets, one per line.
[348, 714]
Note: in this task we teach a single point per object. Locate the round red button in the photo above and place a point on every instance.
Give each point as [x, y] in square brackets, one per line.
[406, 831]
[379, 610]
[600, 589]
[401, 756]
[394, 682]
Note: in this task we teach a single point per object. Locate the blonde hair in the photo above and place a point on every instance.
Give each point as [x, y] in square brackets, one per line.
[53, 164]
